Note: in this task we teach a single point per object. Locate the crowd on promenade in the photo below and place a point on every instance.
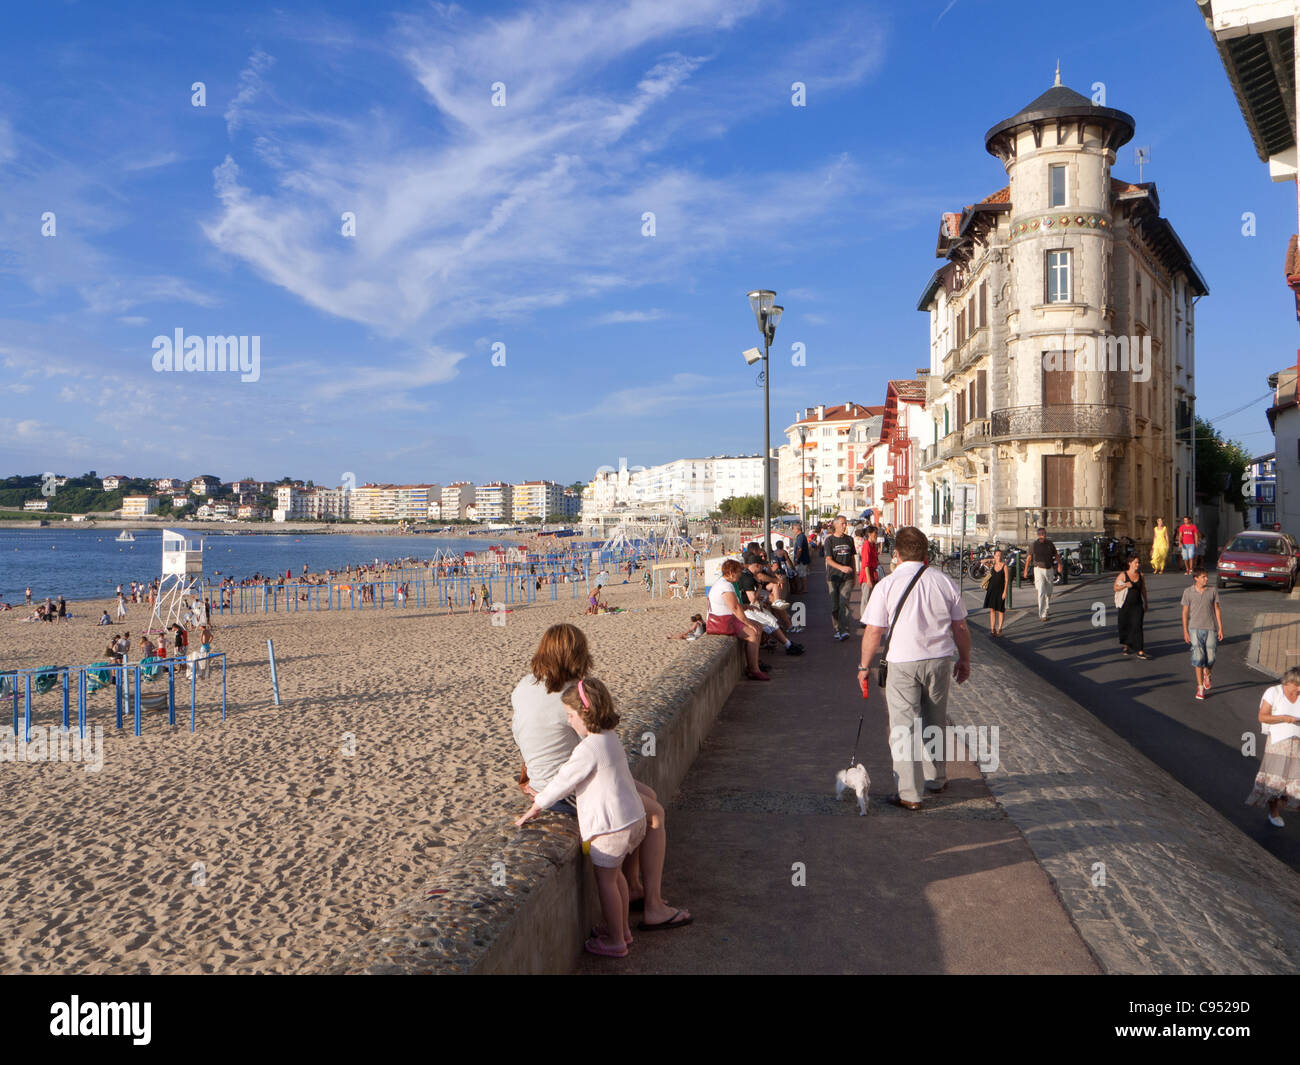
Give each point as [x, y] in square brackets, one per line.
[915, 643]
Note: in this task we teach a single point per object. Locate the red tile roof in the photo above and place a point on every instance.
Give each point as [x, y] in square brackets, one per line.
[909, 390]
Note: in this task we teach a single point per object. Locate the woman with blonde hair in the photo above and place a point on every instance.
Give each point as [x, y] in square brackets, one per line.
[1159, 546]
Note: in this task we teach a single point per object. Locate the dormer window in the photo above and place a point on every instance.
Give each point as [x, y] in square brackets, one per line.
[1056, 185]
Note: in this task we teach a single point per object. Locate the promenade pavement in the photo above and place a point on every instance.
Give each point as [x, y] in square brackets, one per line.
[1077, 854]
[951, 889]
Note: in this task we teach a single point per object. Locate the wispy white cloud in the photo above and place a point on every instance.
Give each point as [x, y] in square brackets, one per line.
[514, 210]
[250, 87]
[621, 317]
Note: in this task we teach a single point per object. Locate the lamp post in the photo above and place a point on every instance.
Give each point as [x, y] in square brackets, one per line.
[803, 516]
[768, 315]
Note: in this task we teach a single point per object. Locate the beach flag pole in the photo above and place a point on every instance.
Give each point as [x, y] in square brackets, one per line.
[275, 685]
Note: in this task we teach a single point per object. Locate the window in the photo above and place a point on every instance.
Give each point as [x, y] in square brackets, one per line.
[1058, 277]
[1056, 186]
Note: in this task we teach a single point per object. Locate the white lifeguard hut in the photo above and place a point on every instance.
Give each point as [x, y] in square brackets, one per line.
[182, 579]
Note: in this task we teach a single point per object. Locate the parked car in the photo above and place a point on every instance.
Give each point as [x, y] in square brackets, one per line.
[1259, 557]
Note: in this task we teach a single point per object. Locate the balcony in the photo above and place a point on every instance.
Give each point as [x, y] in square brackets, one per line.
[975, 347]
[975, 433]
[930, 457]
[1061, 523]
[950, 364]
[1089, 420]
[950, 446]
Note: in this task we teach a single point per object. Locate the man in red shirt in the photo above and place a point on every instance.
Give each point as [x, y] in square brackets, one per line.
[1188, 535]
[870, 571]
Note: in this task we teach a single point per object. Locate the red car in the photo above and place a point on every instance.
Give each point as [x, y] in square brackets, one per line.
[1259, 557]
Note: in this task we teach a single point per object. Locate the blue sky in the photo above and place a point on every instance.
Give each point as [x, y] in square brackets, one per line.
[522, 225]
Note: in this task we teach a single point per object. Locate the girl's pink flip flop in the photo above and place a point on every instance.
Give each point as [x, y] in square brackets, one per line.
[596, 946]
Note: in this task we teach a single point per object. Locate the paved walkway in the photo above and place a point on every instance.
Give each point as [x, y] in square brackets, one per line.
[1076, 855]
[1275, 643]
[952, 889]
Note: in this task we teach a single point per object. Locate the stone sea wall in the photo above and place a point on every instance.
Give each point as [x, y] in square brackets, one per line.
[514, 900]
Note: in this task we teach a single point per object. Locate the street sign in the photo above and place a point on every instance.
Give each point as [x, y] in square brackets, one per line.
[964, 505]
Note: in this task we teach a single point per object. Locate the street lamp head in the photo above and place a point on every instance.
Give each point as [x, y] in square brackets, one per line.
[762, 300]
[773, 319]
[752, 355]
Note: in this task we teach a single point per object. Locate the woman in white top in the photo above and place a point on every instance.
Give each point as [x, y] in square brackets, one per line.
[726, 618]
[1278, 780]
[611, 816]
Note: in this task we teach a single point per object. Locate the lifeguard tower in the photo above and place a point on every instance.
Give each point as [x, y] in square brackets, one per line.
[182, 578]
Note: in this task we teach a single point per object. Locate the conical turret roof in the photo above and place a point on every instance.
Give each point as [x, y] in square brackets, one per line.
[1059, 103]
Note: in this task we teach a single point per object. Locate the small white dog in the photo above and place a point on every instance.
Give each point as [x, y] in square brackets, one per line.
[855, 778]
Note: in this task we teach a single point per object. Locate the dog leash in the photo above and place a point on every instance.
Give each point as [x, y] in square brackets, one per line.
[854, 759]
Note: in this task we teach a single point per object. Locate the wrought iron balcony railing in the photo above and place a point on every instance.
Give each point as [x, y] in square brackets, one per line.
[1094, 420]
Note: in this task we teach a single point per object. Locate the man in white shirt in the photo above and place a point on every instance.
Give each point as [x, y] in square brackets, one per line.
[931, 626]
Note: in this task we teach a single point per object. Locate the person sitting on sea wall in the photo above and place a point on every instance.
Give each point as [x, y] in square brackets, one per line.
[540, 725]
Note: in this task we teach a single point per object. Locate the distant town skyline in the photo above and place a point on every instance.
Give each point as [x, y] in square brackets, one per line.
[486, 244]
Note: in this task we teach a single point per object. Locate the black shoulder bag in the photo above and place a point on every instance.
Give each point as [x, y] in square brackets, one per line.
[882, 670]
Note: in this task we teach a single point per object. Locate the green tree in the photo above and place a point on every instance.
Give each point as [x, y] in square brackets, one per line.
[1220, 464]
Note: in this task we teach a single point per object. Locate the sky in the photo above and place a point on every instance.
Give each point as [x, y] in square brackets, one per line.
[514, 241]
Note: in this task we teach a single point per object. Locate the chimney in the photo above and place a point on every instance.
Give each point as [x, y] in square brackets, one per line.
[821, 411]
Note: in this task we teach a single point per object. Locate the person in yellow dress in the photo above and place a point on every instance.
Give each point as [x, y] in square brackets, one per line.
[1159, 546]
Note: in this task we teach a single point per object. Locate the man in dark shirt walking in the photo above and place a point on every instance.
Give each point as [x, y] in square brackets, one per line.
[841, 571]
[1042, 558]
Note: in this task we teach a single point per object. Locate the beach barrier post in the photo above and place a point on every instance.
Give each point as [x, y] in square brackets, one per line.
[138, 708]
[275, 684]
[67, 722]
[171, 692]
[27, 711]
[119, 682]
[194, 677]
[223, 685]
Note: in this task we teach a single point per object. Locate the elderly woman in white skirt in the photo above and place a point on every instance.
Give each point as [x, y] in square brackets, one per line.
[1278, 780]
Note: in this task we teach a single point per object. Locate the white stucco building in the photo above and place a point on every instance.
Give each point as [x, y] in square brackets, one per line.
[1061, 330]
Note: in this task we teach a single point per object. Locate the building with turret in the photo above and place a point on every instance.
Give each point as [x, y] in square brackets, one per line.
[1062, 356]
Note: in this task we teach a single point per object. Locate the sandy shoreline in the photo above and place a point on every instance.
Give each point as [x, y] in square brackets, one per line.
[302, 846]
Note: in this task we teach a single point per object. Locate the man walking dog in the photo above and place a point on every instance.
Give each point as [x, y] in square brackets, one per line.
[918, 612]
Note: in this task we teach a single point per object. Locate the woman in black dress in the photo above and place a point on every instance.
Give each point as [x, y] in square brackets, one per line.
[995, 598]
[1132, 607]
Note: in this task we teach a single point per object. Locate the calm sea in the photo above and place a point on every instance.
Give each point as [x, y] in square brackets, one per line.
[89, 564]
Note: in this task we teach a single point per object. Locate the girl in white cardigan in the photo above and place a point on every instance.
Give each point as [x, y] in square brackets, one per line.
[611, 816]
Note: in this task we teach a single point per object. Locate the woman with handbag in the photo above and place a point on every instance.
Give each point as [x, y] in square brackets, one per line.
[1131, 601]
[995, 593]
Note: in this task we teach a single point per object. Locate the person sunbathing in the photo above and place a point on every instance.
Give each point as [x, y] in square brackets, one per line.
[694, 632]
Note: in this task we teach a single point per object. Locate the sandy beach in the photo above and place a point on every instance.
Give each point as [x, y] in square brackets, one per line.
[302, 845]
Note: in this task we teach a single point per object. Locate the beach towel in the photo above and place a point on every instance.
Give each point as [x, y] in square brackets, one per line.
[43, 682]
[102, 677]
[150, 671]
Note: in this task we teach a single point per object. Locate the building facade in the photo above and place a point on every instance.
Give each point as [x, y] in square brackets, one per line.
[819, 461]
[1062, 366]
[537, 501]
[494, 501]
[139, 506]
[456, 499]
[685, 487]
